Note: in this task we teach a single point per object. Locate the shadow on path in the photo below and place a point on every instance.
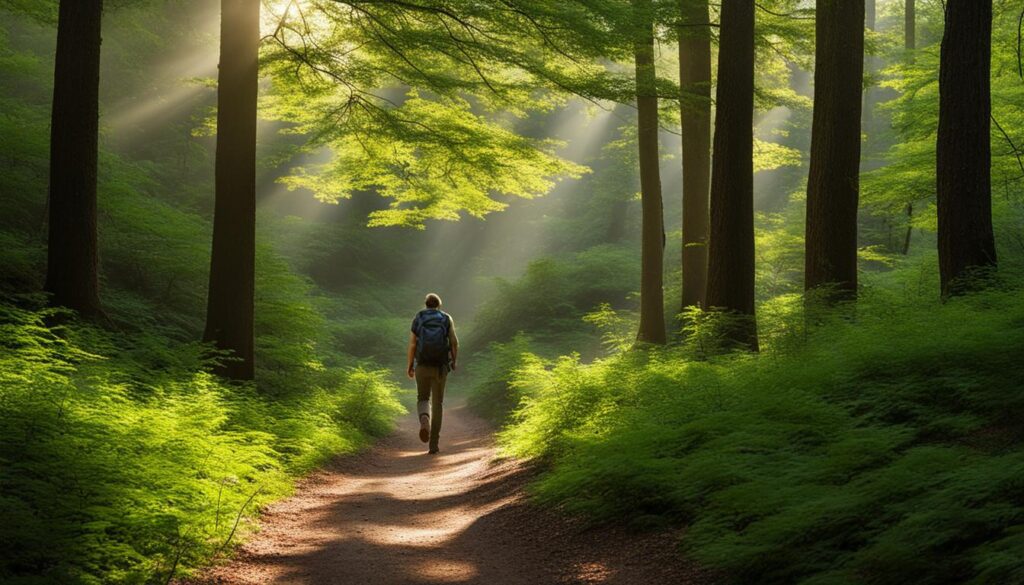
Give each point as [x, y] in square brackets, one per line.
[396, 515]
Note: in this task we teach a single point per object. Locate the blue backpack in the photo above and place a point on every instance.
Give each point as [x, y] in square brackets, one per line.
[432, 344]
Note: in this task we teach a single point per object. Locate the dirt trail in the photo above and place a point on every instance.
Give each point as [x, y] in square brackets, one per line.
[396, 515]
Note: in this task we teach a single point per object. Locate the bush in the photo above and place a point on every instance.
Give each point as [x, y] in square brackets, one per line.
[113, 471]
[122, 460]
[553, 295]
[885, 448]
[492, 394]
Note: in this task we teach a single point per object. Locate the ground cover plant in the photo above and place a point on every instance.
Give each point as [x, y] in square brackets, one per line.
[125, 460]
[881, 449]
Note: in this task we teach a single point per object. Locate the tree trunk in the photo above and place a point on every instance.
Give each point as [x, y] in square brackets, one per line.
[833, 179]
[72, 264]
[870, 21]
[910, 25]
[966, 241]
[617, 221]
[870, 15]
[229, 310]
[905, 248]
[652, 303]
[731, 246]
[909, 43]
[695, 113]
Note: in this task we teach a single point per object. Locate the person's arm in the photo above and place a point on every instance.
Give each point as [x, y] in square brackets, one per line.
[411, 368]
[454, 341]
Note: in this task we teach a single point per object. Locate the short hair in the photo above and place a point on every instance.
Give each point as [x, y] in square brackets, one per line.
[432, 301]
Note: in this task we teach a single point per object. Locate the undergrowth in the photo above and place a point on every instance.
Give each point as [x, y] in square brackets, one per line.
[122, 460]
[879, 446]
[116, 469]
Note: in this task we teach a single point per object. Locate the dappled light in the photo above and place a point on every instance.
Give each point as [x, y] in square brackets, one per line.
[409, 519]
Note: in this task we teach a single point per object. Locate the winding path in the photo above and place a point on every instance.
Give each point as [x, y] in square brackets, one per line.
[395, 516]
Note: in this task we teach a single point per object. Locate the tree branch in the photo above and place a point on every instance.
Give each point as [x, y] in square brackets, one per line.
[1015, 151]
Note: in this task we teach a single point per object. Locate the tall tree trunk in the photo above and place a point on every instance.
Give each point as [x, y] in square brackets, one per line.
[963, 165]
[731, 246]
[617, 221]
[870, 21]
[833, 179]
[652, 303]
[72, 265]
[870, 15]
[229, 310]
[695, 113]
[909, 43]
[905, 248]
[910, 25]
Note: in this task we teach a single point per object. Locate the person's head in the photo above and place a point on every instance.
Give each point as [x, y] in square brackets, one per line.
[432, 301]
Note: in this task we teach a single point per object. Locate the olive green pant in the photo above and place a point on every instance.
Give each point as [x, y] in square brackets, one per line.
[430, 381]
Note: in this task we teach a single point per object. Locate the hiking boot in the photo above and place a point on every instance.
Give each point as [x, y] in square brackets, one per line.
[424, 428]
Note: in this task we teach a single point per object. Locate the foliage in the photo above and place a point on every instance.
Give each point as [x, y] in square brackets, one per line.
[772, 155]
[881, 450]
[779, 245]
[40, 10]
[870, 444]
[122, 461]
[618, 331]
[493, 394]
[339, 69]
[553, 295]
[908, 177]
[434, 159]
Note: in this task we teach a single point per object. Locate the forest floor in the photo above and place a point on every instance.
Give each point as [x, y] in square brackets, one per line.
[396, 515]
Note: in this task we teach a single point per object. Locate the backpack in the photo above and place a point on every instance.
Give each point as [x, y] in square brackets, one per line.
[432, 338]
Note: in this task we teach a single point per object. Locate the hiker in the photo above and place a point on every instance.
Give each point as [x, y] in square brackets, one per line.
[433, 350]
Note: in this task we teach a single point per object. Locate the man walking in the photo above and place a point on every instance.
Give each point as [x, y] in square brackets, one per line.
[433, 351]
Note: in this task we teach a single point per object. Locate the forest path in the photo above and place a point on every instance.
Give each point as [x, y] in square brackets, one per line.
[395, 515]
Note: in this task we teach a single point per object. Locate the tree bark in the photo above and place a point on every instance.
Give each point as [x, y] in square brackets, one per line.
[905, 247]
[963, 164]
[695, 114]
[833, 180]
[870, 21]
[731, 246]
[72, 260]
[910, 25]
[617, 222]
[909, 43]
[229, 311]
[652, 303]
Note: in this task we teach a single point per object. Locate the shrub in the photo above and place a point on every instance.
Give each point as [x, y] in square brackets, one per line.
[492, 394]
[884, 448]
[553, 295]
[114, 471]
